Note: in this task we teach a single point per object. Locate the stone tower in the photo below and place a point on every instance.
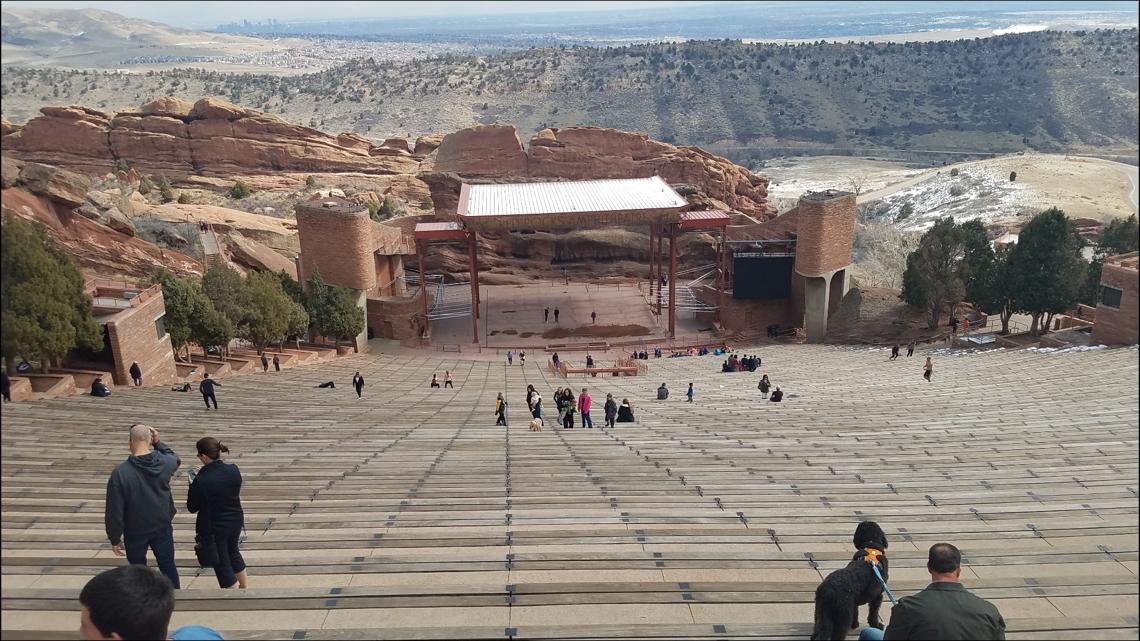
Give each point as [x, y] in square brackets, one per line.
[825, 236]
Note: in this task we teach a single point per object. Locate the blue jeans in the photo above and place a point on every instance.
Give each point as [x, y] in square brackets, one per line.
[870, 634]
[587, 421]
[162, 542]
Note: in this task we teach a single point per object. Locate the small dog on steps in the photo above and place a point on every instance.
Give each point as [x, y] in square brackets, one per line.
[536, 425]
[838, 598]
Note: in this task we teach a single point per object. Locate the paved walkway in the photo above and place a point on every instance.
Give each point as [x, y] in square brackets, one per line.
[407, 513]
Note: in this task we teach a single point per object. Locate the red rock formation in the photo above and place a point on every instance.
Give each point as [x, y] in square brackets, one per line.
[483, 150]
[584, 153]
[581, 153]
[99, 250]
[211, 137]
[427, 143]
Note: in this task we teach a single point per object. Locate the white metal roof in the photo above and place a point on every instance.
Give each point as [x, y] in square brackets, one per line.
[628, 194]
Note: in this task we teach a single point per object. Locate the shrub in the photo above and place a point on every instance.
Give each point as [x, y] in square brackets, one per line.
[240, 190]
[953, 172]
[1012, 176]
[310, 181]
[183, 198]
[145, 185]
[165, 190]
[957, 190]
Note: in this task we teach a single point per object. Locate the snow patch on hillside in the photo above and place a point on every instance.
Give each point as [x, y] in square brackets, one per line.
[975, 193]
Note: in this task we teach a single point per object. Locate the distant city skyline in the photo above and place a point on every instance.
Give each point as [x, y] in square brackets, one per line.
[211, 13]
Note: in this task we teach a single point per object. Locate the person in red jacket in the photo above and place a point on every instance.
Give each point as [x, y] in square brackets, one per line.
[584, 402]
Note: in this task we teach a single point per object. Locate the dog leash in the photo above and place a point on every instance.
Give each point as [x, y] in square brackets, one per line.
[872, 557]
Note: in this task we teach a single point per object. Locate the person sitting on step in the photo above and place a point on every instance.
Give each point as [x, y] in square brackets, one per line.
[777, 395]
[99, 388]
[662, 392]
[625, 412]
[434, 381]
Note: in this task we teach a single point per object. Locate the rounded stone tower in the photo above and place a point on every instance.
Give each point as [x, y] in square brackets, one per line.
[336, 240]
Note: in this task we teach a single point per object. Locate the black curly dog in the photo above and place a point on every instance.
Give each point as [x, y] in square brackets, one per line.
[838, 598]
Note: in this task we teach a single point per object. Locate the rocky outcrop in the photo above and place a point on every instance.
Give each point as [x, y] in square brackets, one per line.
[98, 249]
[427, 143]
[587, 153]
[484, 150]
[64, 187]
[210, 137]
[253, 255]
[582, 153]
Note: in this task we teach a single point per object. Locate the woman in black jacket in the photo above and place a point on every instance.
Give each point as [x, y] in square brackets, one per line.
[215, 496]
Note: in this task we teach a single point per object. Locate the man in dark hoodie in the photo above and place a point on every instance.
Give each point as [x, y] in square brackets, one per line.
[140, 508]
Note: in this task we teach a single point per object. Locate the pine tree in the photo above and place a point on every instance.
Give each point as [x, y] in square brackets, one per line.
[932, 279]
[1048, 268]
[45, 310]
[270, 312]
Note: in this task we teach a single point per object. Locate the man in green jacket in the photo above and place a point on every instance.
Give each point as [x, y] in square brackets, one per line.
[945, 609]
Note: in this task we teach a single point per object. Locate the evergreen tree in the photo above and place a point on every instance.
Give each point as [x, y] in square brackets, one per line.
[211, 328]
[45, 310]
[993, 289]
[1119, 236]
[1047, 265]
[227, 290]
[333, 310]
[933, 276]
[270, 312]
[191, 317]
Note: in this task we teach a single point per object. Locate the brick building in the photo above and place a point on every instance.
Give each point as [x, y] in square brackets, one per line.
[341, 242]
[132, 320]
[1116, 310]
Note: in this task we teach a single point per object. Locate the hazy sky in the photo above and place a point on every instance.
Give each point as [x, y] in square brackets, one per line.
[210, 14]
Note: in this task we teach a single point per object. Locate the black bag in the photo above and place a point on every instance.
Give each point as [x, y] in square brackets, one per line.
[205, 548]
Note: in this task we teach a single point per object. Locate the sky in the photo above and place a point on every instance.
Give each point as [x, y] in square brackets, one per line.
[208, 14]
[211, 14]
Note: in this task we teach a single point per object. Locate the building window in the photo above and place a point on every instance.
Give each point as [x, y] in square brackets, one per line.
[1110, 296]
[160, 326]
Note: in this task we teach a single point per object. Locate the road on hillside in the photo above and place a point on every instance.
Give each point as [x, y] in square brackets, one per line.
[1130, 171]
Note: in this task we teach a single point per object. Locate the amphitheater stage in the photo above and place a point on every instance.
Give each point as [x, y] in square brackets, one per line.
[408, 514]
[512, 316]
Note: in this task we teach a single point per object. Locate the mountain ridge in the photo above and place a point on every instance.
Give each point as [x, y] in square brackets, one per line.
[1050, 91]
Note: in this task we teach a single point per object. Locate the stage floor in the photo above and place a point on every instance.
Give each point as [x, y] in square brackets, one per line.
[512, 315]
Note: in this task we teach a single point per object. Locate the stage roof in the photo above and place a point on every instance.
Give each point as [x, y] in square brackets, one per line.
[439, 231]
[586, 203]
[704, 219]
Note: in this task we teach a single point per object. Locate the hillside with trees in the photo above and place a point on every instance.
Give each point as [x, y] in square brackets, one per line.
[1055, 91]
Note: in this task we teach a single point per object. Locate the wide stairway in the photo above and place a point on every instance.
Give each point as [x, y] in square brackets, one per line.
[408, 514]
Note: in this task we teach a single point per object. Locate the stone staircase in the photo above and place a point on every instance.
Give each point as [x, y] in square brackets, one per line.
[407, 514]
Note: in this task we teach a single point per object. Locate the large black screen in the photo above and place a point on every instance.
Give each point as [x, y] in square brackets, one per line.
[758, 277]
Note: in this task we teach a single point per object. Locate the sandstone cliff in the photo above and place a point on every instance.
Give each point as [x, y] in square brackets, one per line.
[583, 153]
[50, 196]
[210, 137]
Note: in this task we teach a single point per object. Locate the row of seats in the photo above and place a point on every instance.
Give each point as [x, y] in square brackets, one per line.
[407, 513]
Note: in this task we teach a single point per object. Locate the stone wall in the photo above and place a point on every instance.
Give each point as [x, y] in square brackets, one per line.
[1119, 326]
[395, 317]
[134, 337]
